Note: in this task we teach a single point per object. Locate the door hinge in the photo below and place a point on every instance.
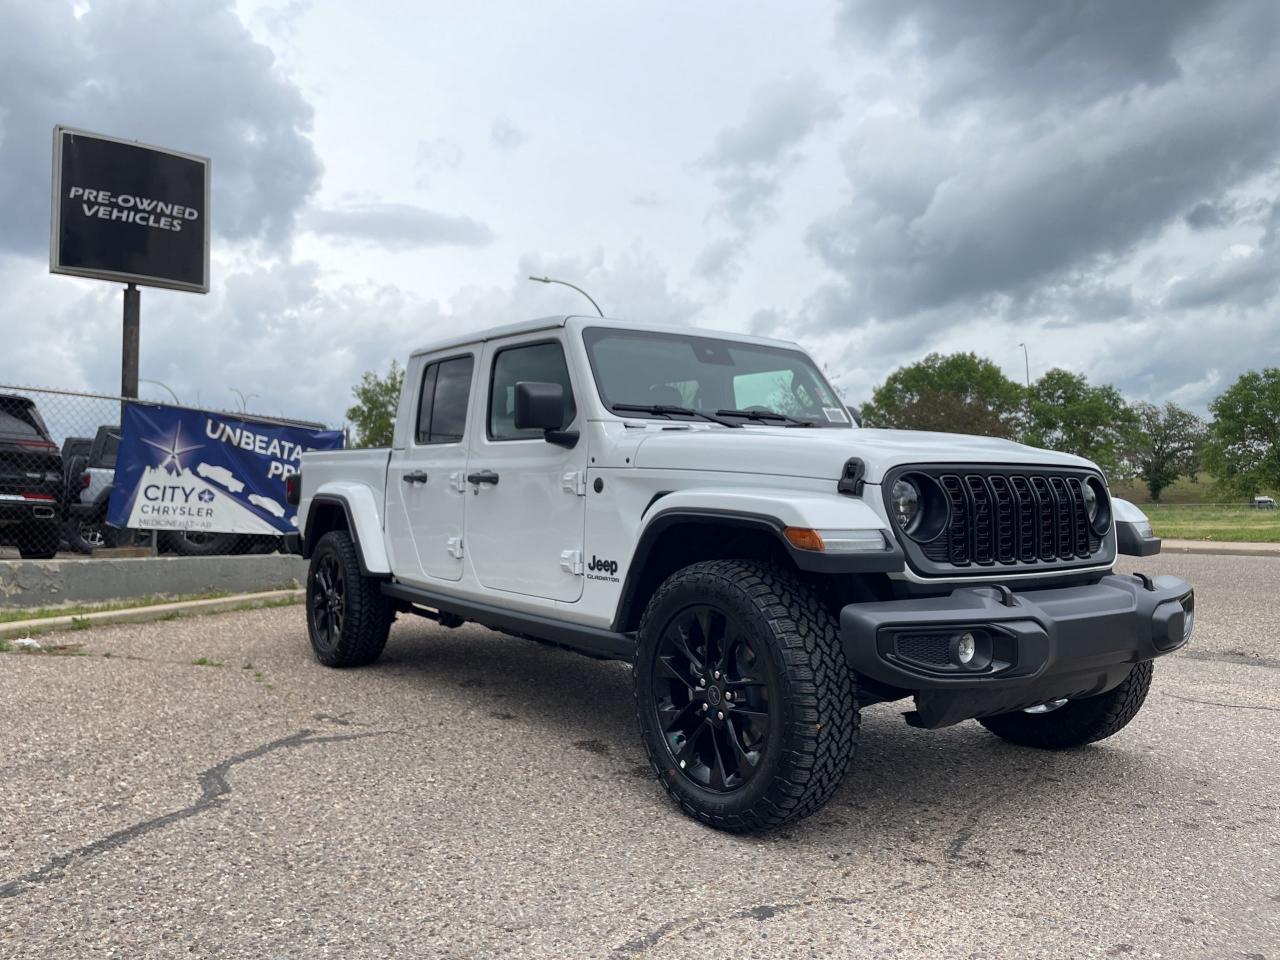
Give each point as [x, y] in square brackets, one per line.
[575, 482]
[458, 481]
[571, 562]
[455, 547]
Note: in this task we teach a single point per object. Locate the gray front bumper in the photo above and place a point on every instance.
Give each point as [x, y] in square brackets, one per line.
[1033, 647]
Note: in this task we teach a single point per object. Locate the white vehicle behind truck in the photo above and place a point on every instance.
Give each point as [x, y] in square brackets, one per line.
[701, 505]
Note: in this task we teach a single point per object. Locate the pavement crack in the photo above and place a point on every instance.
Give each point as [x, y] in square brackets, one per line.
[1219, 703]
[759, 913]
[962, 838]
[214, 788]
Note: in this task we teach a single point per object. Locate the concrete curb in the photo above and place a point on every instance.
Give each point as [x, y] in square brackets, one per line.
[159, 611]
[50, 583]
[1221, 548]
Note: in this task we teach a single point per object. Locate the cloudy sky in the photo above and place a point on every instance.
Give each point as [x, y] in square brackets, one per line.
[876, 179]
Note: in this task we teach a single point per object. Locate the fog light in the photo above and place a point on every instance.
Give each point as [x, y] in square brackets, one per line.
[966, 648]
[1188, 618]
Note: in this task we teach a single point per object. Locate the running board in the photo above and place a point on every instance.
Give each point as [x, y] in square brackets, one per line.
[594, 642]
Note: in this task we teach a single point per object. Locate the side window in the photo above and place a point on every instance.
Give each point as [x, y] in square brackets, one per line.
[537, 363]
[442, 402]
[449, 412]
[425, 398]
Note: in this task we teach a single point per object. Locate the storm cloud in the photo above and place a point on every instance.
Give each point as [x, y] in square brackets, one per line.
[881, 180]
[179, 73]
[955, 208]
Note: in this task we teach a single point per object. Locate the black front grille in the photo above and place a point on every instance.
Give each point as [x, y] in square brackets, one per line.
[1010, 517]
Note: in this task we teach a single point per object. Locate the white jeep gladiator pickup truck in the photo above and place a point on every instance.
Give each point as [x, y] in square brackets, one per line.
[701, 505]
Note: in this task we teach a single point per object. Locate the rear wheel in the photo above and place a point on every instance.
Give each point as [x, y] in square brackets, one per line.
[1077, 722]
[39, 542]
[85, 536]
[745, 702]
[348, 617]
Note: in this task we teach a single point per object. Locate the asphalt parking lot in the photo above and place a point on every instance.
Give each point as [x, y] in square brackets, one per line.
[474, 795]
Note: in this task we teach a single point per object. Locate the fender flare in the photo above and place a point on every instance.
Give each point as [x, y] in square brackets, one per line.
[889, 560]
[358, 506]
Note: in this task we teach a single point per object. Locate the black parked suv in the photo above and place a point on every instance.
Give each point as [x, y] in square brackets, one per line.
[31, 482]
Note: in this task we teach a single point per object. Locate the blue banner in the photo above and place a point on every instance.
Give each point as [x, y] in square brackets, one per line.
[180, 469]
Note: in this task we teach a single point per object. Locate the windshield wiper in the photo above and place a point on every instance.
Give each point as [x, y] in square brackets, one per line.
[670, 412]
[767, 416]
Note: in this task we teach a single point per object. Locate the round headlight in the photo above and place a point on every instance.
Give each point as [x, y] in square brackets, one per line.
[1096, 505]
[905, 500]
[1091, 502]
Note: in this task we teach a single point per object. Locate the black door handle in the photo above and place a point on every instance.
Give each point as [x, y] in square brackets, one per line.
[483, 476]
[416, 477]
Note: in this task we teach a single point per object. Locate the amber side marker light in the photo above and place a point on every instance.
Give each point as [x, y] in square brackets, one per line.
[835, 541]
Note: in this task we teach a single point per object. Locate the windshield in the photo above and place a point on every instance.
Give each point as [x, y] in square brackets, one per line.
[678, 376]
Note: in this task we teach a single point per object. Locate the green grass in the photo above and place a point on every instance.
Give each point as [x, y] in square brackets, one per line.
[1200, 509]
[206, 662]
[11, 614]
[1229, 524]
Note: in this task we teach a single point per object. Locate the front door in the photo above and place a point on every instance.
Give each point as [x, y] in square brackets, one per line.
[526, 508]
[427, 475]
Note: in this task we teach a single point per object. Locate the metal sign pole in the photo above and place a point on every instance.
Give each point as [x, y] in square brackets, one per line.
[132, 336]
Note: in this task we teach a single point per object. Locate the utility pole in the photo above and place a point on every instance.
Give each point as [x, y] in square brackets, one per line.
[1027, 360]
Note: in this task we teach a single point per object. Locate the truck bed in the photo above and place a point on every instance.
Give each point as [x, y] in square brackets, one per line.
[366, 468]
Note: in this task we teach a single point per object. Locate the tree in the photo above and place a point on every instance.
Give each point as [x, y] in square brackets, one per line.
[374, 413]
[1167, 445]
[1244, 446]
[957, 393]
[1065, 413]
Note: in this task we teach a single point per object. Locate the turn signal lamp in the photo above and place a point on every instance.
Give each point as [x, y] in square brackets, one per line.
[835, 541]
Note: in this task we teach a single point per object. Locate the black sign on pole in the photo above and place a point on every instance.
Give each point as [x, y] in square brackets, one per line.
[129, 212]
[132, 213]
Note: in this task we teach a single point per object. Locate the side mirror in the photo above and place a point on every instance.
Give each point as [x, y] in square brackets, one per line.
[539, 406]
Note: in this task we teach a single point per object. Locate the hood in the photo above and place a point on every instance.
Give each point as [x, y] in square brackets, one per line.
[821, 453]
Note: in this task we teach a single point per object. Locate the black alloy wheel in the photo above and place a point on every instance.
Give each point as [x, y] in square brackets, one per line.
[348, 616]
[327, 603]
[746, 706]
[712, 695]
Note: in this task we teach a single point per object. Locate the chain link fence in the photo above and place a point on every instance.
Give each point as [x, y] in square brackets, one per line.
[58, 452]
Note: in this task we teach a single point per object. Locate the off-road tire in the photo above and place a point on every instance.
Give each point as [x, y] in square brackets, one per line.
[1077, 722]
[813, 730]
[365, 613]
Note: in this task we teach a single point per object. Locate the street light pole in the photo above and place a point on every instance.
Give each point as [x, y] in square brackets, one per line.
[1027, 360]
[158, 383]
[244, 400]
[566, 283]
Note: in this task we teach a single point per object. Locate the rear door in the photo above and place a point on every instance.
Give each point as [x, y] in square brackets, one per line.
[426, 492]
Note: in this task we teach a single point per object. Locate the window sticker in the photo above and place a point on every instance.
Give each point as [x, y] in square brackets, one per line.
[835, 415]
